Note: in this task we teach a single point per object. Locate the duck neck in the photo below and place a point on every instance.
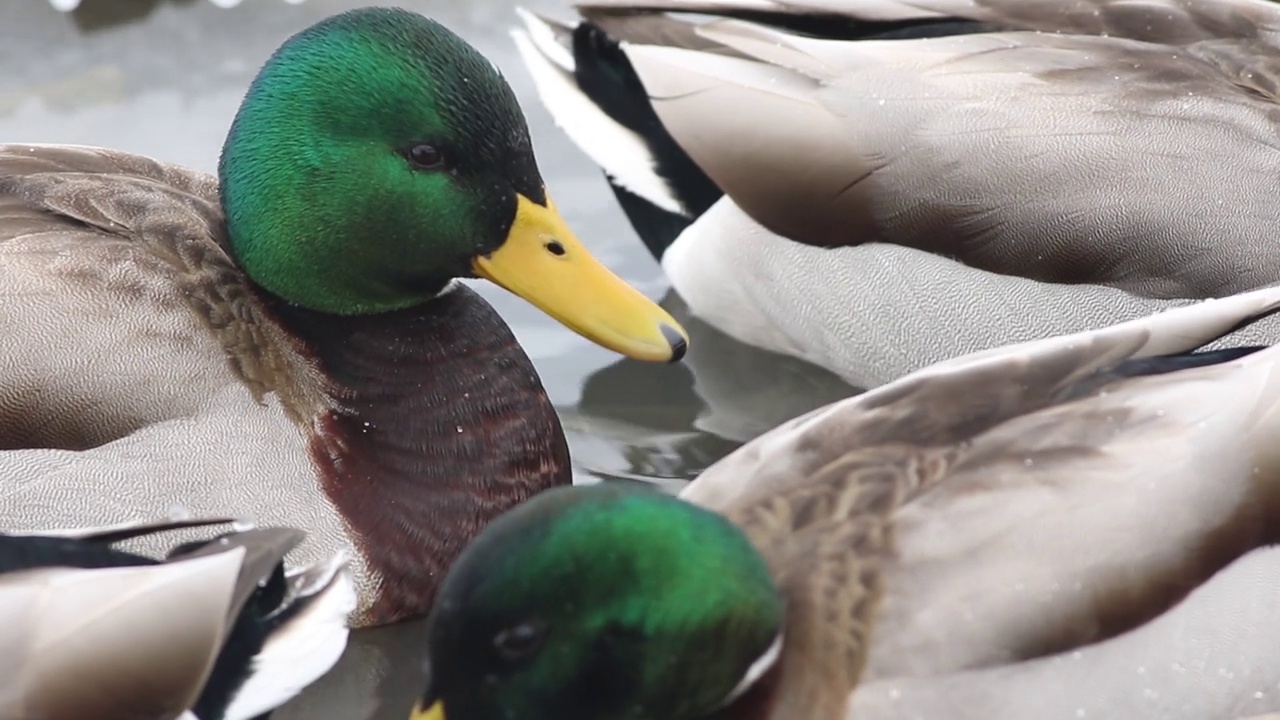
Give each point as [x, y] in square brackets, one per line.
[443, 425]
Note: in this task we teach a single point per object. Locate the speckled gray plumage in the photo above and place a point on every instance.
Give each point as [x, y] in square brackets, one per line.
[139, 374]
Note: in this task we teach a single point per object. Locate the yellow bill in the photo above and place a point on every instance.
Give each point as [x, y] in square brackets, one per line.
[435, 712]
[544, 263]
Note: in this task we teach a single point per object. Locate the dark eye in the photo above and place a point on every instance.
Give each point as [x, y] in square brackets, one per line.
[518, 642]
[425, 156]
[555, 248]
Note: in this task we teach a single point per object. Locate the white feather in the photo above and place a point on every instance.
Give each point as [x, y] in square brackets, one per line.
[757, 670]
[301, 651]
[544, 39]
[622, 153]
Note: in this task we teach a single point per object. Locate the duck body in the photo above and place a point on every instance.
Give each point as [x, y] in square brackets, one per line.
[876, 186]
[279, 342]
[1080, 522]
[973, 540]
[150, 373]
[213, 630]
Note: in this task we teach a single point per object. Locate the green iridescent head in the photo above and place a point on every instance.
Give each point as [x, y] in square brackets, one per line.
[377, 156]
[600, 603]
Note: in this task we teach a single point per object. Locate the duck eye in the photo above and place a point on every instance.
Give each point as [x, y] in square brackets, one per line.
[518, 642]
[425, 156]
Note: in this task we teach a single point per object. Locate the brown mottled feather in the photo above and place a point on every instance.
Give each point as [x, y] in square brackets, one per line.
[824, 540]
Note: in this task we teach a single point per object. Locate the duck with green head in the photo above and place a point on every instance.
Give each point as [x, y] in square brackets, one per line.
[1006, 535]
[286, 340]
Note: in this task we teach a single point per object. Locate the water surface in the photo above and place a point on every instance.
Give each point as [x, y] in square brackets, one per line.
[164, 78]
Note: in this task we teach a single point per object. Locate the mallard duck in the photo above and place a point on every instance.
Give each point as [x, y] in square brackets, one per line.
[946, 545]
[287, 341]
[215, 631]
[877, 185]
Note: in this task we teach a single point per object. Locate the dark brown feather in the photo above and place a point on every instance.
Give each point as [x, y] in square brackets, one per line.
[445, 426]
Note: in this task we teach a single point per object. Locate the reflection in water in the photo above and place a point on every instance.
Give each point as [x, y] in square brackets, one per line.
[747, 391]
[164, 77]
[97, 14]
[636, 421]
[668, 423]
[379, 677]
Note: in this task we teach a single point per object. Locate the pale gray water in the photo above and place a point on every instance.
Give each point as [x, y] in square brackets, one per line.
[164, 77]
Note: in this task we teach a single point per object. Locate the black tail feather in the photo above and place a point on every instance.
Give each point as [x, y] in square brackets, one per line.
[1162, 364]
[828, 25]
[1158, 365]
[657, 227]
[605, 75]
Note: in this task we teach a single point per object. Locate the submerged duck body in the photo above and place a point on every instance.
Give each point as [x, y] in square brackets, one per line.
[286, 341]
[874, 186]
[212, 630]
[1081, 523]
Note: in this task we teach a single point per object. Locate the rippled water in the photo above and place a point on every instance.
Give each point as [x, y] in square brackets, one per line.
[164, 77]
